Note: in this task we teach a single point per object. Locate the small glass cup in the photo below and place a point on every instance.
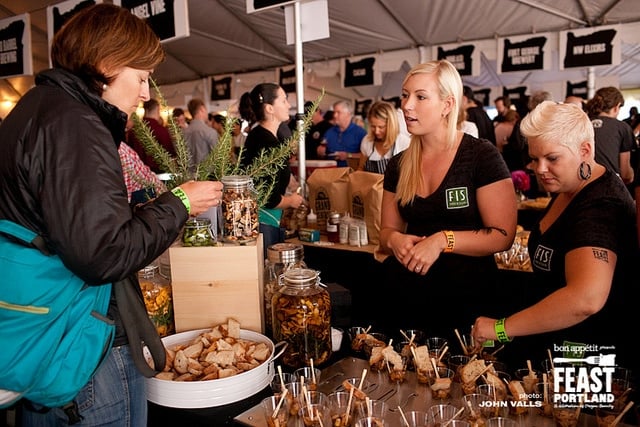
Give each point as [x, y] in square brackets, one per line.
[397, 374]
[338, 404]
[355, 333]
[372, 409]
[605, 417]
[415, 419]
[278, 383]
[315, 415]
[458, 423]
[436, 345]
[441, 413]
[544, 395]
[566, 417]
[456, 362]
[501, 422]
[311, 377]
[370, 422]
[476, 408]
[276, 413]
[528, 381]
[440, 384]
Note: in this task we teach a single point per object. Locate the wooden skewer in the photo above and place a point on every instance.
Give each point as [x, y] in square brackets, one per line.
[473, 412]
[545, 395]
[404, 418]
[621, 414]
[531, 372]
[454, 417]
[489, 366]
[435, 366]
[367, 402]
[366, 331]
[446, 347]
[282, 396]
[464, 347]
[364, 374]
[550, 358]
[313, 372]
[413, 337]
[404, 334]
[415, 358]
[281, 378]
[497, 350]
[349, 403]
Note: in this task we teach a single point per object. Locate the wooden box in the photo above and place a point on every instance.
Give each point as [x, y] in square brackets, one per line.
[211, 284]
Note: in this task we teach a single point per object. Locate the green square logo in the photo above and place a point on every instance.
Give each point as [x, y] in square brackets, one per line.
[457, 197]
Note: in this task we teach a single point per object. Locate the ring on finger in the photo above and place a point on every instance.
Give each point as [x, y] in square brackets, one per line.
[418, 268]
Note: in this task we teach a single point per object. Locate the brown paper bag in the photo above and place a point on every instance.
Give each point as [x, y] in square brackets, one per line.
[328, 191]
[365, 199]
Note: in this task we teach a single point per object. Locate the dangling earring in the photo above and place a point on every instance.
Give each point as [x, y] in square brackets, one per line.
[584, 171]
[104, 87]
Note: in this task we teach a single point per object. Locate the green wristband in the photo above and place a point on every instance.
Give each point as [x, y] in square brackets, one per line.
[500, 332]
[180, 194]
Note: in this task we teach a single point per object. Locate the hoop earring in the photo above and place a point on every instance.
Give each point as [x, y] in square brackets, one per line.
[584, 171]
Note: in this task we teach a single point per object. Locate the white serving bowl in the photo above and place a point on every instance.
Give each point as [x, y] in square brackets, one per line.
[205, 394]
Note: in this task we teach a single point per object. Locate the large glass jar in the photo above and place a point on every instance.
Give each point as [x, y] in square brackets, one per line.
[239, 209]
[281, 257]
[302, 318]
[158, 299]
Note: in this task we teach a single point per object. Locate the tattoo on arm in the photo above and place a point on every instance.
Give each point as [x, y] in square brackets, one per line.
[601, 254]
[488, 230]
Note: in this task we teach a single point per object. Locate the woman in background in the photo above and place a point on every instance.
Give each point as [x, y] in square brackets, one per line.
[270, 108]
[384, 139]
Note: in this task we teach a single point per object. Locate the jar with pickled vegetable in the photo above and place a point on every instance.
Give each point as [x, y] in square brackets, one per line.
[197, 232]
[281, 257]
[302, 318]
[239, 209]
[158, 299]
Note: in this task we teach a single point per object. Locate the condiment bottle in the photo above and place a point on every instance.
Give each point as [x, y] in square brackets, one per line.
[343, 230]
[302, 318]
[333, 223]
[158, 299]
[312, 220]
[239, 209]
[281, 257]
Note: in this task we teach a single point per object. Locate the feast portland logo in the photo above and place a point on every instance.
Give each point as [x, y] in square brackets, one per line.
[583, 381]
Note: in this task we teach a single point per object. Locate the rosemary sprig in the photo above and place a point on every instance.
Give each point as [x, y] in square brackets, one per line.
[220, 161]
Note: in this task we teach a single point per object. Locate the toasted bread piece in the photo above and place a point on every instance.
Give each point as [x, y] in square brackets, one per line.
[233, 328]
[470, 372]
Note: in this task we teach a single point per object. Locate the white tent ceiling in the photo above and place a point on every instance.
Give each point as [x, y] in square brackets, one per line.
[225, 40]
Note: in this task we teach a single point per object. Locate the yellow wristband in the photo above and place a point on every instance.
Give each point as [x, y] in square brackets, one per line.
[180, 194]
[451, 240]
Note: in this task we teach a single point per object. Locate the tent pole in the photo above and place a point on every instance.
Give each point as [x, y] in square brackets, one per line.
[302, 166]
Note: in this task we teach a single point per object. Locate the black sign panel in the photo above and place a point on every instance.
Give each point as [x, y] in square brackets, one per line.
[524, 55]
[258, 5]
[221, 89]
[59, 18]
[362, 107]
[460, 57]
[593, 49]
[578, 89]
[159, 15]
[12, 49]
[288, 80]
[482, 96]
[395, 101]
[359, 73]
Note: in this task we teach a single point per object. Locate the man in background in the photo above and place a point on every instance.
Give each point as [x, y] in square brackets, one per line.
[153, 120]
[477, 115]
[199, 136]
[342, 141]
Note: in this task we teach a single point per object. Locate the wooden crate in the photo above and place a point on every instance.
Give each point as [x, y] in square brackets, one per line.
[211, 284]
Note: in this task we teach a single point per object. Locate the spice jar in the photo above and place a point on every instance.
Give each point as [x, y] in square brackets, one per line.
[158, 299]
[281, 257]
[302, 318]
[333, 224]
[197, 232]
[239, 209]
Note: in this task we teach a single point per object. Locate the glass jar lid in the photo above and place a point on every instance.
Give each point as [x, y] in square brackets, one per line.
[300, 277]
[284, 253]
[197, 223]
[236, 181]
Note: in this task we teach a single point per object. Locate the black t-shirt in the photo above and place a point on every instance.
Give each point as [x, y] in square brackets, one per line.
[480, 117]
[457, 288]
[612, 138]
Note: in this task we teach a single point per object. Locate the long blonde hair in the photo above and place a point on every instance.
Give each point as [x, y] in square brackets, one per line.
[449, 85]
[385, 111]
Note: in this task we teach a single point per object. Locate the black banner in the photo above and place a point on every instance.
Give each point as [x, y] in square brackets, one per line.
[460, 58]
[524, 55]
[359, 73]
[12, 49]
[593, 49]
[221, 89]
[362, 107]
[578, 89]
[395, 101]
[518, 97]
[159, 15]
[288, 80]
[60, 18]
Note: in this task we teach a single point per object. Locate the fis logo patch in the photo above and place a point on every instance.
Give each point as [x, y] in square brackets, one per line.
[457, 198]
[542, 258]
